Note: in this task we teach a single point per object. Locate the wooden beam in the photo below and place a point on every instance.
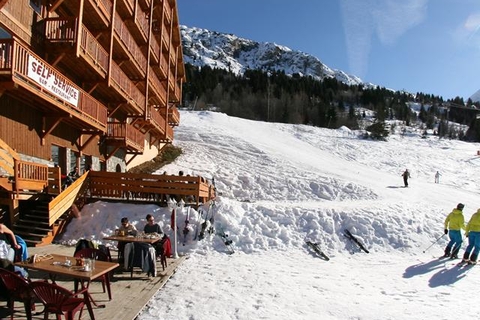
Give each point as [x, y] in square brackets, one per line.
[112, 153]
[55, 5]
[46, 131]
[129, 161]
[89, 140]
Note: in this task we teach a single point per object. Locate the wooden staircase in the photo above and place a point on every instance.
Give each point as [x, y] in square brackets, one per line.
[33, 225]
[39, 208]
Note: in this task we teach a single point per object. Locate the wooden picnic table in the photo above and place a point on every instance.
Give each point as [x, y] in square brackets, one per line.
[55, 264]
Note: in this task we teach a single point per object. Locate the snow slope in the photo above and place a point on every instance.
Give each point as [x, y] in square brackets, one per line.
[282, 184]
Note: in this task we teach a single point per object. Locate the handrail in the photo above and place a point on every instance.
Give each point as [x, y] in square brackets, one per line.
[30, 176]
[64, 201]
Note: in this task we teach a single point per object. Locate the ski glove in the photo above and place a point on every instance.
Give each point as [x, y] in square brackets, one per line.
[446, 231]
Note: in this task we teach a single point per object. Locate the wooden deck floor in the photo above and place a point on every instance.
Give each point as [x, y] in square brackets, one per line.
[129, 295]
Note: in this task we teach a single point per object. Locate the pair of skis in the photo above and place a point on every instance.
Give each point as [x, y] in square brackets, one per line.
[316, 248]
[227, 241]
[208, 222]
[347, 234]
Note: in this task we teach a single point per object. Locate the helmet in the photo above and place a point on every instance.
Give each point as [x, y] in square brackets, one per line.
[460, 206]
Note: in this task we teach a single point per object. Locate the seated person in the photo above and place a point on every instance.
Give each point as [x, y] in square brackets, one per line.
[7, 236]
[127, 227]
[151, 226]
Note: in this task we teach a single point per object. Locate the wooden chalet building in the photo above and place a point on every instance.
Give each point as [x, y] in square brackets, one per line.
[92, 84]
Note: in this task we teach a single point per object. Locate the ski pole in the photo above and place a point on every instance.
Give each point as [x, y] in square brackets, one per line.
[433, 243]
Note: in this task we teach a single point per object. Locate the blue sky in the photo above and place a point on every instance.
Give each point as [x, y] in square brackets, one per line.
[430, 46]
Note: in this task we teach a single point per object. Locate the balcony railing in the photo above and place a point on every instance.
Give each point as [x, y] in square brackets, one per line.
[174, 115]
[128, 136]
[127, 39]
[157, 119]
[34, 74]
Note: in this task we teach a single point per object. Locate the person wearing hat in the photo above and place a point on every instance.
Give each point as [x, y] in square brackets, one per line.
[454, 222]
[472, 231]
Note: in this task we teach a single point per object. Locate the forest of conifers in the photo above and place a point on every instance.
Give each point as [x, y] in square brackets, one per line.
[277, 97]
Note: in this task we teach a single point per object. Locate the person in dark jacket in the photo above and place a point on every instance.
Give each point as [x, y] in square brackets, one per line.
[151, 226]
[406, 175]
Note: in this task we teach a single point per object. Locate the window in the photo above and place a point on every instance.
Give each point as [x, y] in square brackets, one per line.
[36, 5]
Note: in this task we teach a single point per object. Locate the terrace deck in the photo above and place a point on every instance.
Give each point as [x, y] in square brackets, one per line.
[129, 295]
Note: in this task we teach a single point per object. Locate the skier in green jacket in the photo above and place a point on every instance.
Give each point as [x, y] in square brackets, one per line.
[455, 222]
[473, 233]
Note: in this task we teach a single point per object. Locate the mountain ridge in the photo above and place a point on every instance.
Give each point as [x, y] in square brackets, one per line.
[202, 47]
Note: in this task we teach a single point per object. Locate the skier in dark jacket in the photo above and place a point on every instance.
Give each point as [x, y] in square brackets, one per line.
[405, 176]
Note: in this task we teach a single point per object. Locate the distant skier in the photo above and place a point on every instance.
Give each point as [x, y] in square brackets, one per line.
[473, 233]
[437, 177]
[455, 222]
[405, 176]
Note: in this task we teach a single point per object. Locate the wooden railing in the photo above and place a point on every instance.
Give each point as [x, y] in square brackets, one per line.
[61, 29]
[54, 180]
[14, 58]
[129, 42]
[30, 176]
[142, 22]
[64, 201]
[126, 133]
[158, 87]
[92, 48]
[129, 186]
[157, 119]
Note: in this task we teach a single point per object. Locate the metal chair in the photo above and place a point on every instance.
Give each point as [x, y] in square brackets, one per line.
[97, 255]
[18, 289]
[61, 301]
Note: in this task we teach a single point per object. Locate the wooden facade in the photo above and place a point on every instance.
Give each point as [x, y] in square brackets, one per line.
[95, 78]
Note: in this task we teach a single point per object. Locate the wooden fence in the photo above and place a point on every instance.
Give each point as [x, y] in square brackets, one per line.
[150, 187]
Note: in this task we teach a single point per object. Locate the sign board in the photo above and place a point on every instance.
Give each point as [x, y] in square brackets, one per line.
[51, 81]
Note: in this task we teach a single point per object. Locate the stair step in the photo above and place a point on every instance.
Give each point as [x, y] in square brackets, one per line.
[39, 211]
[29, 216]
[30, 234]
[29, 222]
[32, 243]
[34, 229]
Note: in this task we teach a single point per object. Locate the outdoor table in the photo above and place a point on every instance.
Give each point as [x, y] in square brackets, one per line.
[57, 266]
[142, 239]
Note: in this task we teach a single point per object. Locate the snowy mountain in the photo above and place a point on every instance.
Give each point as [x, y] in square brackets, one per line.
[476, 96]
[202, 47]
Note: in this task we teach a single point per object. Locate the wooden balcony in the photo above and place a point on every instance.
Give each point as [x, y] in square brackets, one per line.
[124, 135]
[173, 116]
[47, 88]
[58, 31]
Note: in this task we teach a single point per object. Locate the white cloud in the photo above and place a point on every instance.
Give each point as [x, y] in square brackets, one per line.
[388, 19]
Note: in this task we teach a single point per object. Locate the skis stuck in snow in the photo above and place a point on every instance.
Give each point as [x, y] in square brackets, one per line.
[316, 248]
[354, 240]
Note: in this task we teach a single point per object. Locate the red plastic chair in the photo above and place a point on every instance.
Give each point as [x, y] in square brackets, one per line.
[18, 289]
[59, 300]
[97, 255]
